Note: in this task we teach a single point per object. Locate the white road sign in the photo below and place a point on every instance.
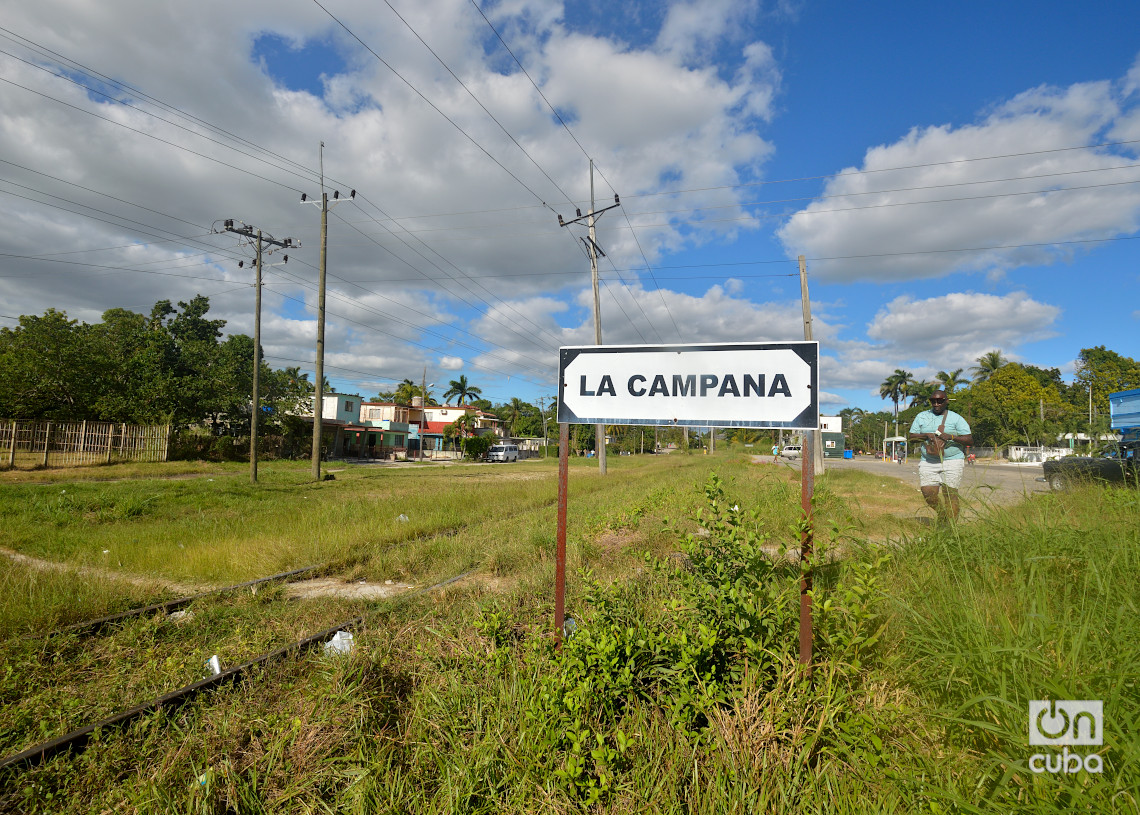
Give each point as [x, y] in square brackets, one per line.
[728, 385]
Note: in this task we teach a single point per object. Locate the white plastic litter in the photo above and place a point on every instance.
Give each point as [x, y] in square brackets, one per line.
[403, 518]
[214, 665]
[341, 643]
[181, 614]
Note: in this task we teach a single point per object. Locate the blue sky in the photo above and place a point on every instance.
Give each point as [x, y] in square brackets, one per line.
[881, 142]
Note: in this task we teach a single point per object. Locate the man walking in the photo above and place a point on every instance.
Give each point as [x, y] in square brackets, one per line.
[945, 436]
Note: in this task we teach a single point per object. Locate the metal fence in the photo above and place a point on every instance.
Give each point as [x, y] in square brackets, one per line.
[28, 445]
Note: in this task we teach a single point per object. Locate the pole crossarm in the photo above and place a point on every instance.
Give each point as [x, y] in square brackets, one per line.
[251, 232]
[592, 214]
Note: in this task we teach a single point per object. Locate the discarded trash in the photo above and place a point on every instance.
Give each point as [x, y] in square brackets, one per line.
[106, 551]
[388, 583]
[402, 517]
[341, 643]
[214, 665]
[569, 626]
[181, 614]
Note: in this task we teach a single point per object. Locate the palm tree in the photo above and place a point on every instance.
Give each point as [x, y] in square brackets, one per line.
[512, 412]
[919, 391]
[461, 390]
[895, 386]
[950, 380]
[405, 391]
[988, 363]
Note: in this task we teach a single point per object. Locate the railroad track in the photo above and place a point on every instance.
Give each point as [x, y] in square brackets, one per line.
[77, 739]
[98, 624]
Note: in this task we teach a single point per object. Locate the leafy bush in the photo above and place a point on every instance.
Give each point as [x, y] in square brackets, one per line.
[476, 447]
[729, 626]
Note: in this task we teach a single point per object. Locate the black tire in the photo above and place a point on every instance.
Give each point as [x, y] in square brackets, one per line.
[1058, 483]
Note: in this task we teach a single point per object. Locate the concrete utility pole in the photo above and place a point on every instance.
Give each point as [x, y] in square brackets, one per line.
[817, 437]
[319, 392]
[259, 239]
[595, 251]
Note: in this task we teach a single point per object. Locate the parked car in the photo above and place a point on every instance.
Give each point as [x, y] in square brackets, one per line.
[1119, 467]
[792, 451]
[503, 452]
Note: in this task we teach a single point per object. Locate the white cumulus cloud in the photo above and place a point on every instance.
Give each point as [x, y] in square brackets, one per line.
[931, 194]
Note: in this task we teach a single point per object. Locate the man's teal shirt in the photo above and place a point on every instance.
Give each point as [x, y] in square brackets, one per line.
[928, 422]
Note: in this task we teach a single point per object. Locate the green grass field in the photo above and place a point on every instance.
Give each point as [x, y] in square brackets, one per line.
[678, 692]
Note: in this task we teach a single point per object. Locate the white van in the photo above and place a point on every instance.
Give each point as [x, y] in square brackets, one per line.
[503, 452]
[791, 451]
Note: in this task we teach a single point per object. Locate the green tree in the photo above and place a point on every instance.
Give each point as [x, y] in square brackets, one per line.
[919, 391]
[47, 369]
[988, 364]
[137, 360]
[1012, 407]
[895, 386]
[461, 390]
[519, 418]
[1105, 372]
[950, 381]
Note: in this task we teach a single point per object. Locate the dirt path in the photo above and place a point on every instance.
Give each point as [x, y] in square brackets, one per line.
[153, 584]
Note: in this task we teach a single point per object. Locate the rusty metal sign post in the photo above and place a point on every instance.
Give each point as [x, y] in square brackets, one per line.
[807, 548]
[560, 545]
[757, 385]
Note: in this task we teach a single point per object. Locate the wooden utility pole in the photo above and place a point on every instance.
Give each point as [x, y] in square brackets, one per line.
[817, 437]
[256, 398]
[259, 240]
[600, 429]
[319, 390]
[319, 374]
[591, 218]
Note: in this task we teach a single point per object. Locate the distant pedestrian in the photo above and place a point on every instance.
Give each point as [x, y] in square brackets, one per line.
[775, 450]
[945, 436]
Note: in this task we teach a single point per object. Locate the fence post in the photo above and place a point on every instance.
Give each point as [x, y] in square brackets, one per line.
[82, 443]
[166, 444]
[110, 440]
[47, 443]
[123, 441]
[12, 449]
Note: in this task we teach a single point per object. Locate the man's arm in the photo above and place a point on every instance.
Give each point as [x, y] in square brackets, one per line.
[965, 436]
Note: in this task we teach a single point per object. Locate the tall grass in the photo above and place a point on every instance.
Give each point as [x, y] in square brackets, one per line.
[680, 690]
[1040, 601]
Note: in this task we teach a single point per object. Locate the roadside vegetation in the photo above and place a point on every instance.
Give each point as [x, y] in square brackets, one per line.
[678, 690]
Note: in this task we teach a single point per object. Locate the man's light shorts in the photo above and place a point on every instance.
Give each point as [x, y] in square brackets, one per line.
[939, 473]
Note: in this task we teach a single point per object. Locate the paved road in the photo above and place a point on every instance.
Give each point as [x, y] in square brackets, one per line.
[985, 482]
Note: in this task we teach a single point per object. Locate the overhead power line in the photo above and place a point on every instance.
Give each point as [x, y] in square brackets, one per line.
[431, 104]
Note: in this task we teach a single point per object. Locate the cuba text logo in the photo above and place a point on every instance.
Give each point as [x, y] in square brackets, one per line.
[1066, 723]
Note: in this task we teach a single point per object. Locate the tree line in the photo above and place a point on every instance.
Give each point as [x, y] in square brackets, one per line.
[1006, 403]
[169, 367]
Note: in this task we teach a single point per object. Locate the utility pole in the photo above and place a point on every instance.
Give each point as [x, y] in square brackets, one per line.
[319, 393]
[817, 437]
[542, 413]
[423, 410]
[595, 251]
[256, 235]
